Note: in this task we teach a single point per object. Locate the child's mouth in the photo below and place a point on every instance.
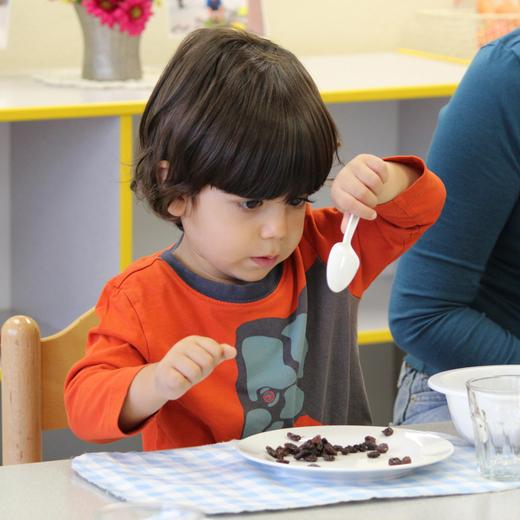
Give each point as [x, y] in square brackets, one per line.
[265, 261]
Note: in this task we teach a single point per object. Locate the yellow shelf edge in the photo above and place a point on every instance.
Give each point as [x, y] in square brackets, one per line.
[35, 113]
[125, 194]
[434, 56]
[389, 93]
[370, 337]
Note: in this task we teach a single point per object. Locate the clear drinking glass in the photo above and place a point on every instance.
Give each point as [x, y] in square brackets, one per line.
[148, 510]
[495, 413]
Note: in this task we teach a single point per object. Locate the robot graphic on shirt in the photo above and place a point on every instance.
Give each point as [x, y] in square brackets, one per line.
[270, 357]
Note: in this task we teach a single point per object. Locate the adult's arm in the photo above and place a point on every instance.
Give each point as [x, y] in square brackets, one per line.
[476, 152]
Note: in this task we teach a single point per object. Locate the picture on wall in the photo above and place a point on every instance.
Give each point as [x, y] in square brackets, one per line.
[187, 15]
[4, 22]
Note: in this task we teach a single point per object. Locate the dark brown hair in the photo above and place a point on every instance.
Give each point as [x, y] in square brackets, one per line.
[236, 112]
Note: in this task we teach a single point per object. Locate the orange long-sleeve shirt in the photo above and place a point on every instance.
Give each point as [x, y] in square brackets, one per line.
[297, 360]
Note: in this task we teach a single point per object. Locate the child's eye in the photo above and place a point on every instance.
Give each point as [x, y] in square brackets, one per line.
[250, 204]
[299, 201]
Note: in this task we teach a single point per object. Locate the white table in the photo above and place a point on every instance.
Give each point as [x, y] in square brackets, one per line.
[50, 490]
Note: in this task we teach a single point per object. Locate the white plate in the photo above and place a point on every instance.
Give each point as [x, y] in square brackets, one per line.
[424, 448]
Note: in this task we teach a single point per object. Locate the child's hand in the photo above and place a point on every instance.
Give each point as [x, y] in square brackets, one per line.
[187, 363]
[358, 186]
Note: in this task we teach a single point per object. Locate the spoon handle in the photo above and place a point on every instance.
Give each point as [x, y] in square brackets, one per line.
[351, 227]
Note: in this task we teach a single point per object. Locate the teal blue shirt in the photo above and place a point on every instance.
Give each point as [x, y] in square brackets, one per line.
[456, 296]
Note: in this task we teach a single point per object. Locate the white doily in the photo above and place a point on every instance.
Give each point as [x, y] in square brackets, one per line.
[72, 78]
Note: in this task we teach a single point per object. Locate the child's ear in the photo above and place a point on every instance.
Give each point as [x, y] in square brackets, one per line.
[177, 208]
[162, 170]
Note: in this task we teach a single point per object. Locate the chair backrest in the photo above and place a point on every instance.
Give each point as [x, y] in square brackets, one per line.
[33, 375]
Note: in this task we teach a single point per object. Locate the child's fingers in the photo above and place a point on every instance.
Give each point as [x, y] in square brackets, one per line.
[355, 201]
[345, 192]
[357, 189]
[376, 165]
[188, 362]
[197, 356]
[371, 171]
[368, 179]
[360, 209]
[228, 352]
[191, 370]
[218, 351]
[206, 357]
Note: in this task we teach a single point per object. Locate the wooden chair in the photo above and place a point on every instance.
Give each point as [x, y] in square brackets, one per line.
[33, 374]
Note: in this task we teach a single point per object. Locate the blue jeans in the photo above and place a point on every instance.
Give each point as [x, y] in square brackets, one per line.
[416, 402]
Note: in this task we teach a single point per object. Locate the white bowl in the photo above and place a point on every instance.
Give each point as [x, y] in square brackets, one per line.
[452, 383]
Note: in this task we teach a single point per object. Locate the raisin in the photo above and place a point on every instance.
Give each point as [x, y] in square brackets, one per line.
[308, 445]
[280, 452]
[373, 454]
[329, 449]
[328, 458]
[303, 453]
[388, 431]
[290, 448]
[316, 439]
[271, 451]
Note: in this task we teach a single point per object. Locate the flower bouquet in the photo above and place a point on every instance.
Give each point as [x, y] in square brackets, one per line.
[128, 16]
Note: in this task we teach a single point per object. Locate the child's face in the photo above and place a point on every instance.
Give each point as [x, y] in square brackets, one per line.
[231, 239]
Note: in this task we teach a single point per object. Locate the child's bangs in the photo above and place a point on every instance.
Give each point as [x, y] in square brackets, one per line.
[289, 156]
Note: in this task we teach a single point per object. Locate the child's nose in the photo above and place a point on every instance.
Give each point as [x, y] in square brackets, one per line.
[275, 224]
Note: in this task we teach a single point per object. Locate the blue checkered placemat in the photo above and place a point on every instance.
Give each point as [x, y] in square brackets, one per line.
[217, 479]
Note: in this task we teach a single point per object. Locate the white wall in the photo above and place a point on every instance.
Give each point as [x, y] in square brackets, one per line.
[333, 26]
[46, 34]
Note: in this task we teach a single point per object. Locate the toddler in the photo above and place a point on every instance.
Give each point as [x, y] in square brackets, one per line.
[232, 330]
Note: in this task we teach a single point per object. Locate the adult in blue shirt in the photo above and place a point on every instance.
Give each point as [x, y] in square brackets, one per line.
[456, 296]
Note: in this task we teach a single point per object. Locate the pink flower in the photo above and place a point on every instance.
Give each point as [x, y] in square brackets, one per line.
[105, 10]
[132, 15]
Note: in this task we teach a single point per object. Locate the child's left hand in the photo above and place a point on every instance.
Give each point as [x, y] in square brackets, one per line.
[357, 187]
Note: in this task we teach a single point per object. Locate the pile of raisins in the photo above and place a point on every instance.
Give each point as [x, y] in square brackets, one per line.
[319, 447]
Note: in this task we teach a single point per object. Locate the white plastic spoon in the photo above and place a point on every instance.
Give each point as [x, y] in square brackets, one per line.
[343, 262]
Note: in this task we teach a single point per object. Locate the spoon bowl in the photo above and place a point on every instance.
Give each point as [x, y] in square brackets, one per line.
[343, 261]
